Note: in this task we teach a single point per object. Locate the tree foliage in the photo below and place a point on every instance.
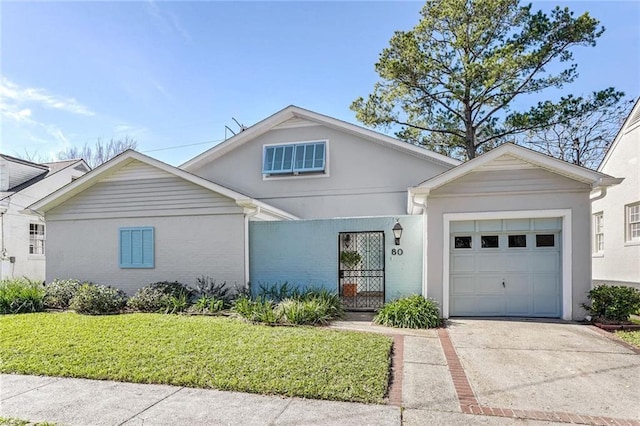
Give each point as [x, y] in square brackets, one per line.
[584, 138]
[99, 153]
[451, 81]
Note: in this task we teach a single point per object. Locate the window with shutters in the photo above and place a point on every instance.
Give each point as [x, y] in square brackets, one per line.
[294, 158]
[137, 247]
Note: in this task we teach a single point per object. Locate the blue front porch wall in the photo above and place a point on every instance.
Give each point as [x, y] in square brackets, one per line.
[304, 253]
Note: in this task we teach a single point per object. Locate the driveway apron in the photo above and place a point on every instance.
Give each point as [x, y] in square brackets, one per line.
[547, 366]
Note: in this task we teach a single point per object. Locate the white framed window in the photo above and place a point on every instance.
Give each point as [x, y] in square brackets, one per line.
[36, 238]
[632, 222]
[598, 233]
[294, 158]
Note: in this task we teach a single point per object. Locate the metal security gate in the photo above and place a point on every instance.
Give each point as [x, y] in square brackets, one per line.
[361, 269]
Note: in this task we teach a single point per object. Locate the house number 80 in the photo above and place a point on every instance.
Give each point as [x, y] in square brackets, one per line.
[396, 252]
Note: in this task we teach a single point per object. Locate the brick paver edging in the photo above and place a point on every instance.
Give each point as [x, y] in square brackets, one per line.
[614, 338]
[470, 405]
[397, 360]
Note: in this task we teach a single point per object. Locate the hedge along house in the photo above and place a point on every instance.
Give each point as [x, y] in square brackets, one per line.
[505, 234]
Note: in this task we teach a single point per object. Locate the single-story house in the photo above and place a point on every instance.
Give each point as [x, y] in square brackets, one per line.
[616, 211]
[23, 248]
[311, 200]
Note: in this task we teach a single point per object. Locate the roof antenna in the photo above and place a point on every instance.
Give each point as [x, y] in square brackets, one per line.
[242, 126]
[225, 131]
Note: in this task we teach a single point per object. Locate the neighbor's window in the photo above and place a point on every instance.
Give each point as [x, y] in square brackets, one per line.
[137, 247]
[36, 238]
[598, 233]
[295, 158]
[633, 222]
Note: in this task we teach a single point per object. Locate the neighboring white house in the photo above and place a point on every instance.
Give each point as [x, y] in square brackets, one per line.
[506, 234]
[616, 212]
[23, 247]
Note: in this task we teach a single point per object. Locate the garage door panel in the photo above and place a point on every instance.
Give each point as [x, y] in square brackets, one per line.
[544, 306]
[463, 285]
[488, 284]
[489, 263]
[546, 262]
[531, 273]
[518, 306]
[516, 262]
[463, 263]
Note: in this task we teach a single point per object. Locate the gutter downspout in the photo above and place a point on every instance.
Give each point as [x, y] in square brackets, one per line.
[248, 216]
[423, 204]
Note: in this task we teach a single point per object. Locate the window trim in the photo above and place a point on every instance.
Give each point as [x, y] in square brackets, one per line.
[628, 238]
[597, 246]
[145, 265]
[296, 174]
[37, 237]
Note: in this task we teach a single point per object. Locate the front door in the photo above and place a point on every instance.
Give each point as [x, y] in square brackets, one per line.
[361, 269]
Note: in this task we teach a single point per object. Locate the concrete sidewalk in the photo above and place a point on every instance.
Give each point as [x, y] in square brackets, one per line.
[94, 402]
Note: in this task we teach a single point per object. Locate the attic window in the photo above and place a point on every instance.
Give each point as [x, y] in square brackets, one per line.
[294, 158]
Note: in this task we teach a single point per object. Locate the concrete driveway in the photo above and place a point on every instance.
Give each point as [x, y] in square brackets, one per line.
[556, 367]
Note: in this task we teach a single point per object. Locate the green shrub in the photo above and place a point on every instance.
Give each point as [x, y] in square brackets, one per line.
[329, 301]
[303, 312]
[278, 292]
[613, 303]
[210, 288]
[98, 299]
[259, 310]
[409, 312]
[21, 295]
[207, 305]
[156, 297]
[58, 293]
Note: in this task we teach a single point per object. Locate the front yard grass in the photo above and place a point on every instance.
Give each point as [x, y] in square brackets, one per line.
[202, 352]
[632, 337]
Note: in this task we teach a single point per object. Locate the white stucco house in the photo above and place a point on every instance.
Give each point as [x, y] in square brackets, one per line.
[616, 211]
[506, 234]
[23, 247]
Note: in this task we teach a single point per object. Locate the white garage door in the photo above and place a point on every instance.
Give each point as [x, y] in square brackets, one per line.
[507, 267]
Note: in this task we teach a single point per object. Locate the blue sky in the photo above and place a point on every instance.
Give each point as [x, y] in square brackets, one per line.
[175, 73]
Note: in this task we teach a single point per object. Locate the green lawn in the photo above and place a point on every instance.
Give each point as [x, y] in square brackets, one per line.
[10, 421]
[195, 351]
[632, 337]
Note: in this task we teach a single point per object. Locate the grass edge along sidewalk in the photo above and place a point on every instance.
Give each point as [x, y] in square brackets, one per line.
[200, 352]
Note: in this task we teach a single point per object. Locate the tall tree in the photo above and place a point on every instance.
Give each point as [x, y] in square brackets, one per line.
[99, 153]
[584, 138]
[450, 82]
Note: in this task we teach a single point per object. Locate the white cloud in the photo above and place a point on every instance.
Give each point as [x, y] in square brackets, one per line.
[167, 20]
[19, 96]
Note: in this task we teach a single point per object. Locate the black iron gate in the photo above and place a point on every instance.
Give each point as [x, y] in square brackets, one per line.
[361, 269]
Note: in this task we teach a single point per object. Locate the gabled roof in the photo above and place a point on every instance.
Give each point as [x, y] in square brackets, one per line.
[24, 162]
[632, 120]
[96, 175]
[572, 171]
[292, 112]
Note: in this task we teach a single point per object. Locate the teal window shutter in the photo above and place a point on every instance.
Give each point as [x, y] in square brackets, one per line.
[137, 247]
[294, 158]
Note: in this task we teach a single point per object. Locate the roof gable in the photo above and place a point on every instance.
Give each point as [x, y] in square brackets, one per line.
[293, 116]
[508, 157]
[632, 121]
[131, 162]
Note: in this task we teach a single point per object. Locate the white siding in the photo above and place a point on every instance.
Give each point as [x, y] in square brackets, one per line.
[620, 261]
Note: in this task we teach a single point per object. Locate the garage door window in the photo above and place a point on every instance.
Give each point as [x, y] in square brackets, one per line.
[545, 240]
[489, 241]
[462, 242]
[517, 241]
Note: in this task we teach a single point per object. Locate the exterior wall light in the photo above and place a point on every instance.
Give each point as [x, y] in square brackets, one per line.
[397, 232]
